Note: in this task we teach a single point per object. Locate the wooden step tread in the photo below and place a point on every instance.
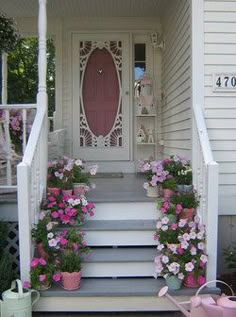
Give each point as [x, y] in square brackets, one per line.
[120, 287]
[125, 254]
[118, 225]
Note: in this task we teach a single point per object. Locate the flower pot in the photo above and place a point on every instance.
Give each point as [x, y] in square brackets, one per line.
[188, 213]
[180, 188]
[152, 191]
[79, 189]
[173, 282]
[190, 281]
[67, 192]
[54, 190]
[70, 281]
[167, 193]
[188, 188]
[41, 252]
[44, 287]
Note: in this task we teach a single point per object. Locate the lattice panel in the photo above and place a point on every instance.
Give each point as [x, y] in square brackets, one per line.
[12, 245]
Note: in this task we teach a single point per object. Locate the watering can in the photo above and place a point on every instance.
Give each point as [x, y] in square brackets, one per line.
[205, 305]
[17, 301]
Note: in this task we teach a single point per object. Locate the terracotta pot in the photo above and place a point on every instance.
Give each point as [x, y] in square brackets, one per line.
[153, 191]
[41, 252]
[190, 281]
[70, 281]
[67, 192]
[167, 193]
[54, 190]
[188, 213]
[79, 189]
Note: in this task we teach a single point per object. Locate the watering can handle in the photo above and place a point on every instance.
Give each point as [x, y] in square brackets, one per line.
[37, 295]
[205, 284]
[19, 285]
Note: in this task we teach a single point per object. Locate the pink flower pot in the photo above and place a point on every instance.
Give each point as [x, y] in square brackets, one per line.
[190, 281]
[70, 281]
[188, 213]
[80, 189]
[54, 190]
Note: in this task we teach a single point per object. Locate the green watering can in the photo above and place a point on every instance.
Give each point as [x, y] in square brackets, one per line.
[17, 301]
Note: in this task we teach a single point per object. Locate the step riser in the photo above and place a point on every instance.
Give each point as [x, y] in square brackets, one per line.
[125, 269]
[119, 238]
[125, 211]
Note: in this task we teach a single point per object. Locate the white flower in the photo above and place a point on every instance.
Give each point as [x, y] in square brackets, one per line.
[184, 244]
[174, 267]
[78, 163]
[192, 235]
[145, 185]
[84, 201]
[157, 259]
[181, 276]
[42, 215]
[182, 222]
[158, 225]
[50, 235]
[49, 226]
[52, 243]
[186, 236]
[193, 250]
[165, 259]
[59, 175]
[204, 258]
[160, 247]
[93, 169]
[164, 228]
[197, 219]
[165, 220]
[173, 247]
[189, 267]
[201, 245]
[200, 235]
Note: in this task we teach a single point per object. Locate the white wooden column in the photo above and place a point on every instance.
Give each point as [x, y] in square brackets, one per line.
[42, 98]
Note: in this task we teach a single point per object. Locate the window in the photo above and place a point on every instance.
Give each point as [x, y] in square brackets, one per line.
[139, 60]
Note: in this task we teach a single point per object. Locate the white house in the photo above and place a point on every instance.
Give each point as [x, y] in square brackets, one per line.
[187, 48]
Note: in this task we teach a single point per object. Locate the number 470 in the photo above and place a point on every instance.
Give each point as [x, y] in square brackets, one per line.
[226, 81]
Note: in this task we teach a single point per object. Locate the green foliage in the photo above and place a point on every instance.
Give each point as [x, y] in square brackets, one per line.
[187, 200]
[184, 177]
[23, 73]
[169, 183]
[8, 34]
[70, 262]
[230, 256]
[7, 274]
[3, 235]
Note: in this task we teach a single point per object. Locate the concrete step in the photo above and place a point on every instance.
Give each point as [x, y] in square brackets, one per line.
[119, 232]
[119, 262]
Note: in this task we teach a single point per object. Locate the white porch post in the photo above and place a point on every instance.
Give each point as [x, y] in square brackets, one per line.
[42, 98]
[211, 218]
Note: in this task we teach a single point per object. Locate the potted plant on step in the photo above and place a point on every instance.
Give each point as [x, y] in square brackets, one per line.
[168, 187]
[189, 202]
[70, 268]
[184, 180]
[41, 273]
[155, 175]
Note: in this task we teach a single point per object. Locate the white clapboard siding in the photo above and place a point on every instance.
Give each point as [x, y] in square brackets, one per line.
[220, 106]
[176, 65]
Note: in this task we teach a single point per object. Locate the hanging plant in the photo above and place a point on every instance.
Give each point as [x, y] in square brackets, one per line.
[8, 34]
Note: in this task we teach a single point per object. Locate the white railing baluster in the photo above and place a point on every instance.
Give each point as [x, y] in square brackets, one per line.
[8, 146]
[24, 120]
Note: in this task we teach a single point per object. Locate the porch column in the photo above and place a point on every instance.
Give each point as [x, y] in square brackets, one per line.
[42, 98]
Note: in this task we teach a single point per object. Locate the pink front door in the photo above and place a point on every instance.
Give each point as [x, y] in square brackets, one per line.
[101, 94]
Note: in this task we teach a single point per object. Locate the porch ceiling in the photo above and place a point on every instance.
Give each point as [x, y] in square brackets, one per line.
[83, 8]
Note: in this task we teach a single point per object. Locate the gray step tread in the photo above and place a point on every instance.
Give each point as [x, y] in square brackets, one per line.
[119, 287]
[110, 255]
[118, 225]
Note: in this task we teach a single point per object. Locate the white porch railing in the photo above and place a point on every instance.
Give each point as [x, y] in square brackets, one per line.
[205, 181]
[8, 156]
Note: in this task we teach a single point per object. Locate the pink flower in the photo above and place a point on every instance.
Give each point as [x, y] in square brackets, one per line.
[61, 205]
[201, 280]
[51, 198]
[90, 205]
[163, 210]
[180, 250]
[42, 277]
[178, 209]
[75, 246]
[65, 219]
[42, 261]
[55, 214]
[56, 277]
[166, 205]
[155, 237]
[34, 262]
[174, 226]
[91, 213]
[26, 284]
[84, 209]
[63, 241]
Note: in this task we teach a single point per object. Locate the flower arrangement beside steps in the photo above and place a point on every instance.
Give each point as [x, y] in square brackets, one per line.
[155, 175]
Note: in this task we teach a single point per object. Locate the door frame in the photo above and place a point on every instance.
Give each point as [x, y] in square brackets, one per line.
[102, 154]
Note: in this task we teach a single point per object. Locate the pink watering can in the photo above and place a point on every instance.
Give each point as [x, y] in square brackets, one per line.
[205, 305]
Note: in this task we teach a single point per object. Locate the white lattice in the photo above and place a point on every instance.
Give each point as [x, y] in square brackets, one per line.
[114, 137]
[12, 245]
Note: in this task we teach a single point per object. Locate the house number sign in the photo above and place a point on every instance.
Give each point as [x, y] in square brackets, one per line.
[224, 82]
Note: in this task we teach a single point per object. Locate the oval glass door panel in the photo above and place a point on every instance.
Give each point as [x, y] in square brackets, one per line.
[100, 92]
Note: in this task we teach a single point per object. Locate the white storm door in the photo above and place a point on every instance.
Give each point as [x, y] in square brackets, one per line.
[101, 104]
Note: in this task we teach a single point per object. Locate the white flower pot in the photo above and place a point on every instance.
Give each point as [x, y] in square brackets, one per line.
[153, 191]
